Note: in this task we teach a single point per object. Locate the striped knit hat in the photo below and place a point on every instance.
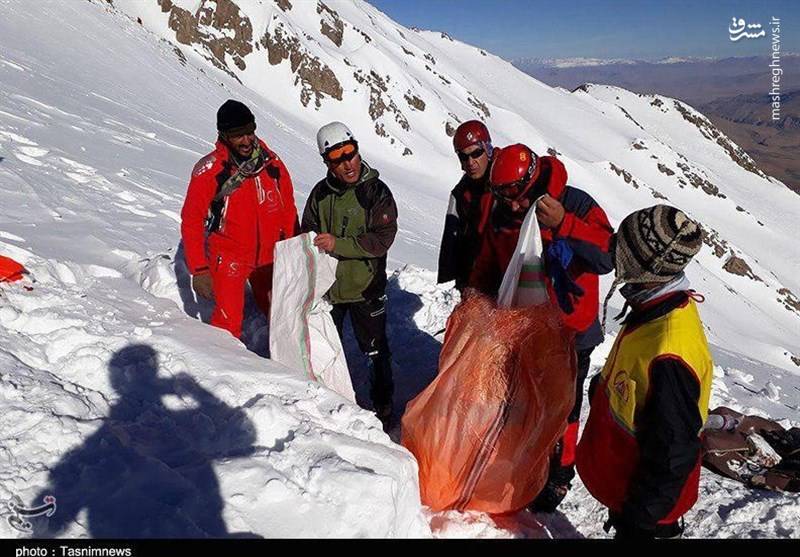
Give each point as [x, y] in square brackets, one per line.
[654, 245]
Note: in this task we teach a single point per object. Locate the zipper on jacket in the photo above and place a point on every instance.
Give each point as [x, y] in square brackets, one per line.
[330, 215]
[223, 214]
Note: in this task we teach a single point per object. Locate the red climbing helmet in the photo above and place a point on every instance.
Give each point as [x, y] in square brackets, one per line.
[513, 172]
[470, 133]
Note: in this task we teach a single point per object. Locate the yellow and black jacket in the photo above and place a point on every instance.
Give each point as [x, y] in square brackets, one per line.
[640, 452]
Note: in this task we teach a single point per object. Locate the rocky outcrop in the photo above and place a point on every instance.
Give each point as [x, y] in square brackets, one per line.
[789, 300]
[629, 117]
[629, 179]
[738, 266]
[379, 101]
[219, 26]
[367, 38]
[480, 105]
[709, 131]
[330, 24]
[711, 239]
[415, 102]
[315, 78]
[664, 169]
[285, 5]
[699, 182]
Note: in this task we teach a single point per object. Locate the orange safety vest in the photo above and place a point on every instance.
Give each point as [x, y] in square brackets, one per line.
[608, 453]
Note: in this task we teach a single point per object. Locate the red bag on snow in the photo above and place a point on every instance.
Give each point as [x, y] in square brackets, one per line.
[484, 430]
[10, 270]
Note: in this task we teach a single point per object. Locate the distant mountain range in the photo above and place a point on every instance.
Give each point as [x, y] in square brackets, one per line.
[584, 62]
[732, 92]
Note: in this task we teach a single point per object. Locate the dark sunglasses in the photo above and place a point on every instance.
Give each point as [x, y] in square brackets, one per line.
[476, 154]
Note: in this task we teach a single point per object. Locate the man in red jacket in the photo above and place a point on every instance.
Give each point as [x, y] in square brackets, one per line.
[576, 234]
[469, 203]
[239, 204]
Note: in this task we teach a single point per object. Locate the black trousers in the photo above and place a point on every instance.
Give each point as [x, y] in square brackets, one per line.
[562, 462]
[369, 325]
[584, 362]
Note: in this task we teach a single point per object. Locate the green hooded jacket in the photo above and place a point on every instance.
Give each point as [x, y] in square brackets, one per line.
[363, 218]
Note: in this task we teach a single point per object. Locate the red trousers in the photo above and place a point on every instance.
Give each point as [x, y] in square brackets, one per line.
[229, 277]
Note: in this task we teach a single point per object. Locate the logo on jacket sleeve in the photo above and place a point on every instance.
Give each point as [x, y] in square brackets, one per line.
[621, 385]
[203, 165]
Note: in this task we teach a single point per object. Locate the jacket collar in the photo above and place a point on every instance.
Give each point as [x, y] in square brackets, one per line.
[656, 308]
[551, 178]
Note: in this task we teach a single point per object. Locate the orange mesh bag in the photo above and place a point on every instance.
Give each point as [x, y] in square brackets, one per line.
[483, 431]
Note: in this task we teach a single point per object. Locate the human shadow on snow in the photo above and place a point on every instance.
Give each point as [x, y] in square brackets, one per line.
[415, 354]
[147, 472]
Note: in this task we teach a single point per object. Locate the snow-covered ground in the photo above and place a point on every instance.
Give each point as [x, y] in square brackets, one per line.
[112, 389]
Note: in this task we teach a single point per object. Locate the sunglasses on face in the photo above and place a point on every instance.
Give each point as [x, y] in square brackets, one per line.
[341, 154]
[476, 154]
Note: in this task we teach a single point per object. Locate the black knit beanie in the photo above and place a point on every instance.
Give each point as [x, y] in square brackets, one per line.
[234, 118]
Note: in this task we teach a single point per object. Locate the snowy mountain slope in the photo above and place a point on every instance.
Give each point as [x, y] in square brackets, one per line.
[101, 120]
[93, 170]
[381, 68]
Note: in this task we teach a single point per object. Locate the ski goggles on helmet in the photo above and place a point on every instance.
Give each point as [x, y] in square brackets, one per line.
[341, 153]
[476, 154]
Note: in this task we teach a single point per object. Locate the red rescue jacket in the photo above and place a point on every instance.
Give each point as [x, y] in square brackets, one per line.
[248, 222]
[588, 232]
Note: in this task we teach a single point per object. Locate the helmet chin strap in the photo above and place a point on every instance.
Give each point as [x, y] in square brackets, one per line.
[524, 193]
[534, 174]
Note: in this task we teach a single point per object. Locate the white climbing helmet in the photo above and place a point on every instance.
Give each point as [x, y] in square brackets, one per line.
[333, 134]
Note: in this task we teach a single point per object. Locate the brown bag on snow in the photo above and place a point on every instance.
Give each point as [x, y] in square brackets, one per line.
[748, 454]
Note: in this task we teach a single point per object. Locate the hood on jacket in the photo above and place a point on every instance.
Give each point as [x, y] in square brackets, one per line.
[551, 179]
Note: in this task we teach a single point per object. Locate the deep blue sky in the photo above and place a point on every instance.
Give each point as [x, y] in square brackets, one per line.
[645, 29]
